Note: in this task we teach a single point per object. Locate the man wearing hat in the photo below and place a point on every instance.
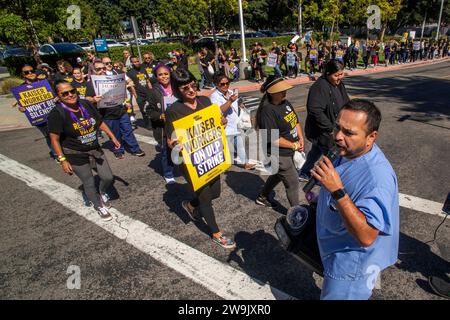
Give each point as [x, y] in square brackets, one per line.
[277, 113]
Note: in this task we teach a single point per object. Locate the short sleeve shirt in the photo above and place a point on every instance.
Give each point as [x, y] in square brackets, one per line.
[73, 135]
[371, 184]
[283, 119]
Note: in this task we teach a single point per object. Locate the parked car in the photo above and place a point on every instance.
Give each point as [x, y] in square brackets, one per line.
[14, 52]
[113, 43]
[254, 35]
[50, 53]
[141, 42]
[209, 40]
[86, 45]
[269, 33]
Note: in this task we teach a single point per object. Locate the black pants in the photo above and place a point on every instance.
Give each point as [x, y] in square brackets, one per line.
[203, 202]
[141, 103]
[287, 173]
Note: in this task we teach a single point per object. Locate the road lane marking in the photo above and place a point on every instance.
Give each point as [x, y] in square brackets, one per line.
[219, 278]
[422, 205]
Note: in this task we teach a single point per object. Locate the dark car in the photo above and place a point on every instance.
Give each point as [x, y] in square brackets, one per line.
[269, 33]
[254, 35]
[50, 53]
[13, 56]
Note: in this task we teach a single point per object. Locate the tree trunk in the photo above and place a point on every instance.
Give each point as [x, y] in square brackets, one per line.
[331, 32]
[382, 32]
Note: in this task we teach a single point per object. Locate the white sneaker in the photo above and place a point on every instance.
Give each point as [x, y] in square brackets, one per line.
[169, 180]
[105, 200]
[104, 214]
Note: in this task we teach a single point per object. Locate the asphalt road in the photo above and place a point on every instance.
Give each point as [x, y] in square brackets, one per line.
[40, 238]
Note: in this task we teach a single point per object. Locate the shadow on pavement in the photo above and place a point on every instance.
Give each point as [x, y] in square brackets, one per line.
[417, 257]
[249, 185]
[264, 259]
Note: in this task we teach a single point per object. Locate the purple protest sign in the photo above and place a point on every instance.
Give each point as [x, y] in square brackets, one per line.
[37, 99]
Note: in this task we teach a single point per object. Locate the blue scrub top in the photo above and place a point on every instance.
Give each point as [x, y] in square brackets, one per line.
[371, 183]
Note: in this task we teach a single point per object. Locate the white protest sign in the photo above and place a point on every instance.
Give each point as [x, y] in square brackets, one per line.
[290, 59]
[416, 45]
[272, 59]
[111, 88]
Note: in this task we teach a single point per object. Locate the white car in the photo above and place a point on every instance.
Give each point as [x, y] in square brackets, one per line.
[113, 43]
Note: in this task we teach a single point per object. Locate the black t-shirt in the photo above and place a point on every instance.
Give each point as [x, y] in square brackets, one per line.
[207, 59]
[81, 88]
[282, 118]
[66, 77]
[111, 113]
[149, 67]
[140, 79]
[72, 135]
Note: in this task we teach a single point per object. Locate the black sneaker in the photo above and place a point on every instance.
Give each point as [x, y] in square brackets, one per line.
[140, 153]
[118, 155]
[263, 201]
[440, 286]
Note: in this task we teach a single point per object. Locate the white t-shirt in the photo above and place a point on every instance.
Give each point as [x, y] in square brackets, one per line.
[231, 114]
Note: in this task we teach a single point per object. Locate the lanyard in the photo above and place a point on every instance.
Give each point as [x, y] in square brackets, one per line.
[84, 113]
[167, 92]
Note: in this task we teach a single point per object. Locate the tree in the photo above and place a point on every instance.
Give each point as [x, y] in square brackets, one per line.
[256, 14]
[183, 16]
[12, 28]
[389, 11]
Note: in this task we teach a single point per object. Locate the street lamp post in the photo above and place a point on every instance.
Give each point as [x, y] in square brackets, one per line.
[439, 22]
[244, 62]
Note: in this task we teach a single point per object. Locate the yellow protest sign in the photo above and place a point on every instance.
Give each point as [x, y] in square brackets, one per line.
[205, 150]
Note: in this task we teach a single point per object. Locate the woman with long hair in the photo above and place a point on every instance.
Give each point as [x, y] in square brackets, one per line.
[159, 99]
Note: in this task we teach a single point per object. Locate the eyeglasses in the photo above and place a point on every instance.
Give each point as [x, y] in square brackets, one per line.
[100, 69]
[192, 85]
[66, 93]
[25, 72]
[223, 84]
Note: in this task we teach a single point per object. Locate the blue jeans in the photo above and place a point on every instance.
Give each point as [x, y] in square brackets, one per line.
[237, 142]
[277, 70]
[201, 83]
[123, 131]
[167, 166]
[44, 130]
[313, 155]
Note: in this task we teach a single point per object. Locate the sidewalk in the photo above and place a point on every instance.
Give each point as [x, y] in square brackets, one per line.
[248, 86]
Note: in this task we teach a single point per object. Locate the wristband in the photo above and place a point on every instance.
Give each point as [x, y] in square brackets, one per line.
[61, 158]
[295, 146]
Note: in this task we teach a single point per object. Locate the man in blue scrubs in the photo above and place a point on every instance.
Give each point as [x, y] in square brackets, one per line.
[358, 206]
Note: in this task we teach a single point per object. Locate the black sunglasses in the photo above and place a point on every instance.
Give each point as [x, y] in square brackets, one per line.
[28, 72]
[66, 93]
[100, 69]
